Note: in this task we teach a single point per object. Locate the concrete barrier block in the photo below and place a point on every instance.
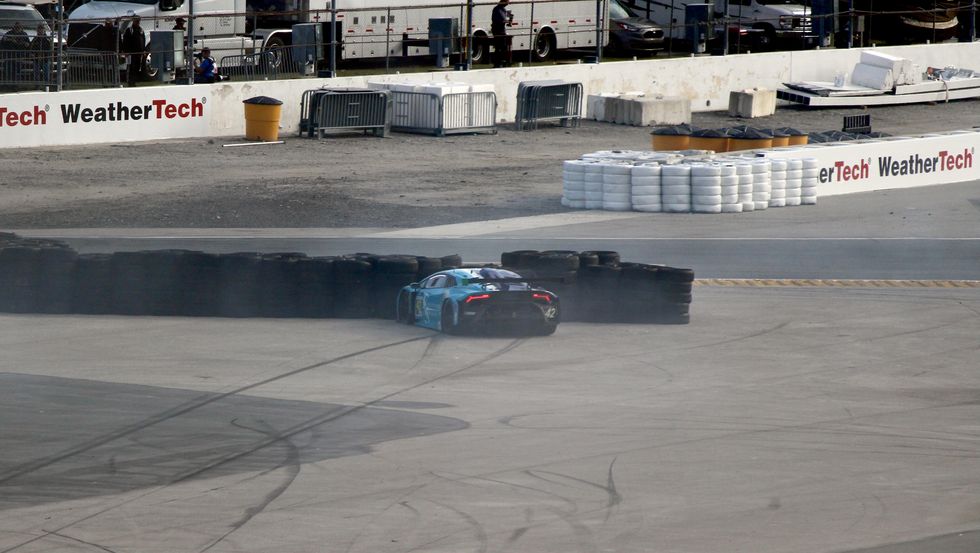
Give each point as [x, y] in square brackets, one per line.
[595, 107]
[756, 102]
[623, 109]
[647, 111]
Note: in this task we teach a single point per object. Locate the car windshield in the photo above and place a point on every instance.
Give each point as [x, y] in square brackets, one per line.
[27, 18]
[618, 11]
[492, 274]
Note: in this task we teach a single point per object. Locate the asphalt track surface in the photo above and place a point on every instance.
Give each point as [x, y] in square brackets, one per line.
[787, 417]
[803, 410]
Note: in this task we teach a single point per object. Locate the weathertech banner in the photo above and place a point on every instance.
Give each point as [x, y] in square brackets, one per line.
[898, 162]
[113, 115]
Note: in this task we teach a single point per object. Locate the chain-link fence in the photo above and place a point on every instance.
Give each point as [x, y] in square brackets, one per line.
[264, 44]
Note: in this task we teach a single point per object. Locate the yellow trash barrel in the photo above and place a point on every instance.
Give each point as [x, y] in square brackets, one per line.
[716, 140]
[671, 138]
[780, 138]
[751, 139]
[796, 136]
[262, 116]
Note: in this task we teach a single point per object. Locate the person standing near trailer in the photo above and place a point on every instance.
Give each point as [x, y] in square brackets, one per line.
[499, 19]
[134, 46]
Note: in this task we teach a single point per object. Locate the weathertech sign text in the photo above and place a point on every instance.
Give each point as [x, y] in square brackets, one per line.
[893, 166]
[75, 113]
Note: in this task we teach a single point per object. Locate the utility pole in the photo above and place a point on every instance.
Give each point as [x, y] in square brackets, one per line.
[189, 62]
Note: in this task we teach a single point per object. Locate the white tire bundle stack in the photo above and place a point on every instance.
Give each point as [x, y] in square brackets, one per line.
[794, 182]
[608, 155]
[705, 188]
[777, 181]
[593, 186]
[811, 178]
[675, 188]
[646, 189]
[616, 186]
[573, 184]
[761, 187]
[729, 189]
[743, 169]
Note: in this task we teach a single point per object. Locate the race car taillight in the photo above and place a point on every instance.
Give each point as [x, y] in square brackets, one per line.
[478, 298]
[544, 297]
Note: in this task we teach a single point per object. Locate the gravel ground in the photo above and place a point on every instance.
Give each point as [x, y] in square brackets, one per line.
[348, 181]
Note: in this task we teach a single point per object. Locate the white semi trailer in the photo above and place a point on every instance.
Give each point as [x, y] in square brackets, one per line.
[366, 28]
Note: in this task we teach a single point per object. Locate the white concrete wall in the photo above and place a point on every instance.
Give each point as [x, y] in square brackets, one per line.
[706, 81]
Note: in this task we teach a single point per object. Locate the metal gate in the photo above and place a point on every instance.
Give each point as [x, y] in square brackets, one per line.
[455, 113]
[326, 109]
[548, 101]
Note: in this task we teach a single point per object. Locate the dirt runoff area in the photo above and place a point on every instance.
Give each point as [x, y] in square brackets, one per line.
[352, 180]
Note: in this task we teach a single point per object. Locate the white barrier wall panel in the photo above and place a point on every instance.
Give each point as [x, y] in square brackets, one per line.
[705, 81]
[116, 115]
[880, 165]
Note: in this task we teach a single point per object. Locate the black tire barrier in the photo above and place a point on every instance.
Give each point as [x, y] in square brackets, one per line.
[92, 284]
[279, 292]
[43, 276]
[603, 289]
[451, 261]
[429, 265]
[239, 279]
[353, 278]
[19, 279]
[586, 259]
[604, 257]
[55, 274]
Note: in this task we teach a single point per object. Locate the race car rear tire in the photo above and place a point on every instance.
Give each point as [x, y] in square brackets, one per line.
[547, 329]
[404, 310]
[446, 321]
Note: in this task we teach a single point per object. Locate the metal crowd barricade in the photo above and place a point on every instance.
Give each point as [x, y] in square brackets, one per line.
[454, 113]
[85, 68]
[548, 101]
[860, 124]
[307, 111]
[326, 109]
[81, 68]
[25, 69]
[251, 67]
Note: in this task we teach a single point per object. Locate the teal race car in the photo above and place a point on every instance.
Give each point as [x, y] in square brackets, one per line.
[485, 300]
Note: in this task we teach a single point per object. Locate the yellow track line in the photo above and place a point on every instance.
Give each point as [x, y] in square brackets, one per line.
[834, 283]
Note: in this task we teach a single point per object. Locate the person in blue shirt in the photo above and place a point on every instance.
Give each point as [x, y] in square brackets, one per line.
[205, 69]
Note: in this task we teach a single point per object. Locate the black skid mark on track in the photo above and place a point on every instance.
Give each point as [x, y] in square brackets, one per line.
[763, 332]
[292, 465]
[177, 411]
[582, 532]
[79, 540]
[613, 496]
[481, 533]
[173, 413]
[192, 405]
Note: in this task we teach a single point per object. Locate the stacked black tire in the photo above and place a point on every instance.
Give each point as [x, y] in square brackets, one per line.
[44, 276]
[595, 286]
